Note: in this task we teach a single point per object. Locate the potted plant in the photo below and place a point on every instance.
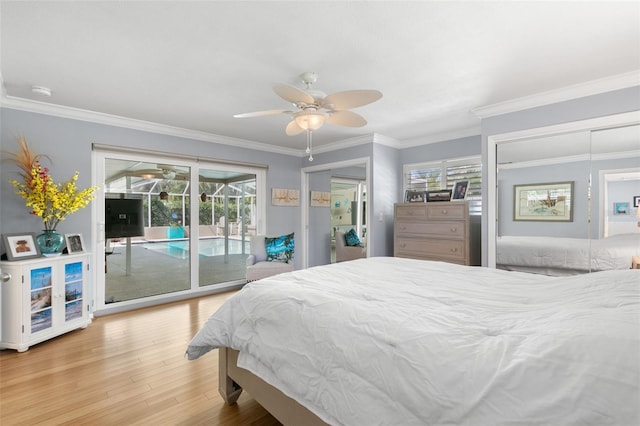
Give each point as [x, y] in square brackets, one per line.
[51, 201]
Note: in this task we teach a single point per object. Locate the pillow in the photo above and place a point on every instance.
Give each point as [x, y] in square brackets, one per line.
[279, 249]
[351, 238]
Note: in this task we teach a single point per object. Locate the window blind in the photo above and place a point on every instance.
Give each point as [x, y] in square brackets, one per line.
[443, 175]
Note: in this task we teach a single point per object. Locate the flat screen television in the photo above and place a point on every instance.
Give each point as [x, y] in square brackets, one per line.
[124, 217]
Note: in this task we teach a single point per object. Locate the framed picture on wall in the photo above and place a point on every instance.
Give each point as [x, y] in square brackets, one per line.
[620, 208]
[546, 202]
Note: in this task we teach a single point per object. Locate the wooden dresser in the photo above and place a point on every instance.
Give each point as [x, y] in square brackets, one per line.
[437, 231]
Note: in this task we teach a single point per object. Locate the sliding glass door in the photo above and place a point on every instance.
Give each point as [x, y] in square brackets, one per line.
[170, 227]
[227, 219]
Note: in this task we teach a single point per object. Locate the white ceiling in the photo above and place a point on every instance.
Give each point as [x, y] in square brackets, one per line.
[193, 65]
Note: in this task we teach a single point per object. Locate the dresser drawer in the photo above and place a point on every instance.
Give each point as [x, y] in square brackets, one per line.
[417, 210]
[434, 249]
[444, 229]
[448, 211]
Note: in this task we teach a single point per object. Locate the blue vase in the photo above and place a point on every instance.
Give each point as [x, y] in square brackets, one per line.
[50, 242]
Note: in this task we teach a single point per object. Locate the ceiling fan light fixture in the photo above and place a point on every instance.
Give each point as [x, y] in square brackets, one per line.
[310, 120]
[168, 174]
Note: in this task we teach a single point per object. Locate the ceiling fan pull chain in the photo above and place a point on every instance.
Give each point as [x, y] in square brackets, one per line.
[309, 144]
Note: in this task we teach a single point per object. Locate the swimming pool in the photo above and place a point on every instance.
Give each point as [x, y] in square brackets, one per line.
[206, 248]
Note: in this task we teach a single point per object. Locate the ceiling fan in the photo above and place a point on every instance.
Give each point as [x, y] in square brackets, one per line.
[314, 108]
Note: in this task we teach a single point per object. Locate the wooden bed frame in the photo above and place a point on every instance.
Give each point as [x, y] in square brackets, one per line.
[233, 379]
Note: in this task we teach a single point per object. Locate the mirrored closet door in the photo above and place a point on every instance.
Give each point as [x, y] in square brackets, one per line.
[565, 202]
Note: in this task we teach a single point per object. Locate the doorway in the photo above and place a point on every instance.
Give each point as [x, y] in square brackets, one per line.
[316, 239]
[348, 207]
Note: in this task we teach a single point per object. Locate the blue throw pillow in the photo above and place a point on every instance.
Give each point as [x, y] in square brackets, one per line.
[279, 249]
[351, 238]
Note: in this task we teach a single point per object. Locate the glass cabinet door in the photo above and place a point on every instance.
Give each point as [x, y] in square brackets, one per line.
[41, 291]
[73, 297]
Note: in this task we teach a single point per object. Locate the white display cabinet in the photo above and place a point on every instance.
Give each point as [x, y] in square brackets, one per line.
[43, 298]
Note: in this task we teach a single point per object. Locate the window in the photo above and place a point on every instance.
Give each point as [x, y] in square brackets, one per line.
[436, 175]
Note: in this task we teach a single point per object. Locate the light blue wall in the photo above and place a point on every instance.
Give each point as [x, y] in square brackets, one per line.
[320, 222]
[455, 148]
[386, 172]
[615, 102]
[578, 172]
[68, 143]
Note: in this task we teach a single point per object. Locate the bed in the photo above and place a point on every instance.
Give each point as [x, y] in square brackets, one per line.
[401, 341]
[566, 256]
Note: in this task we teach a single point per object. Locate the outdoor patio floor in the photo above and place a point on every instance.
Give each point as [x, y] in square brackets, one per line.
[154, 272]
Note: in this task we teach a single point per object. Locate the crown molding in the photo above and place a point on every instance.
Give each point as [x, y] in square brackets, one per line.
[570, 159]
[386, 140]
[594, 87]
[442, 137]
[28, 105]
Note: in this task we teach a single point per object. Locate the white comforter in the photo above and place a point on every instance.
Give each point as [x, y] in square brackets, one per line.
[395, 341]
[572, 254]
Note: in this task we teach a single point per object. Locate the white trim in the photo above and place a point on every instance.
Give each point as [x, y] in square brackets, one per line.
[98, 157]
[28, 105]
[606, 176]
[569, 159]
[594, 87]
[617, 120]
[449, 161]
[346, 143]
[22, 104]
[304, 199]
[441, 137]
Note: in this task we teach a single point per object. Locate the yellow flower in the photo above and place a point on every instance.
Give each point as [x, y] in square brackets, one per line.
[51, 201]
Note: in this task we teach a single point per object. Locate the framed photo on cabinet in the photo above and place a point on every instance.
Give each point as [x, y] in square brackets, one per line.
[460, 190]
[415, 196]
[21, 246]
[75, 243]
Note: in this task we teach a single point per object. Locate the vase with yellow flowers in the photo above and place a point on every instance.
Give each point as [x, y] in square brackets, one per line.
[51, 201]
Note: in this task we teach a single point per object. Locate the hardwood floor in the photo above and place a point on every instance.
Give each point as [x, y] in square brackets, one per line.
[123, 369]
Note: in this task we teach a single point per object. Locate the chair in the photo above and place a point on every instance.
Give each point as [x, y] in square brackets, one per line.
[257, 265]
[345, 252]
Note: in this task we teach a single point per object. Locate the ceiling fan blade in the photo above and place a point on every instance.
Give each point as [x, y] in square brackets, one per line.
[293, 129]
[350, 99]
[262, 113]
[347, 119]
[292, 94]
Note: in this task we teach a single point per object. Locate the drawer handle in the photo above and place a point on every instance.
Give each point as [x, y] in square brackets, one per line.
[444, 211]
[454, 249]
[403, 245]
[403, 228]
[453, 229]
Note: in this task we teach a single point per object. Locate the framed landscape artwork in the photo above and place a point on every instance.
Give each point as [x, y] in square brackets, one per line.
[546, 202]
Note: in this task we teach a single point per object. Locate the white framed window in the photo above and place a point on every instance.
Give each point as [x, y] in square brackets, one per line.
[442, 174]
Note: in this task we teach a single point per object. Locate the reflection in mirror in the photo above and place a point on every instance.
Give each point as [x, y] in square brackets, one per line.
[543, 240]
[323, 221]
[348, 204]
